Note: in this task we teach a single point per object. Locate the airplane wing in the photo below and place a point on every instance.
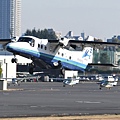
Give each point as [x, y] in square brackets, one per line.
[99, 64]
[94, 44]
[42, 64]
[54, 44]
[4, 41]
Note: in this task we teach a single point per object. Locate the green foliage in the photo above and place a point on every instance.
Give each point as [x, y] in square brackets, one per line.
[95, 57]
[101, 56]
[42, 34]
[98, 40]
[104, 58]
[0, 71]
[116, 40]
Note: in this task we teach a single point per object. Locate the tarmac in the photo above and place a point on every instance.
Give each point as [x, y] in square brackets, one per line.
[44, 99]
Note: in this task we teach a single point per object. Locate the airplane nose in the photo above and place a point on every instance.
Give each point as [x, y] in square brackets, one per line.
[9, 47]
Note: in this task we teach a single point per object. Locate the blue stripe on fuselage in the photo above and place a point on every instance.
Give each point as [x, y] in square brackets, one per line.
[49, 59]
[70, 64]
[23, 51]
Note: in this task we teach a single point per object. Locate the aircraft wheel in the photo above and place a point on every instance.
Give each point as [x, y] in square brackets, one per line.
[62, 71]
[14, 60]
[63, 85]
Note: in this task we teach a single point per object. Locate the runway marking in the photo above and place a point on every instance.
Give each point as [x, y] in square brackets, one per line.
[89, 102]
[33, 106]
[44, 90]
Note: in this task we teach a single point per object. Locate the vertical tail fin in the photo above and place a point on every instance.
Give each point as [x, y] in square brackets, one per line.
[87, 55]
[88, 52]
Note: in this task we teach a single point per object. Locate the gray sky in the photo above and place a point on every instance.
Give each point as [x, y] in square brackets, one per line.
[99, 18]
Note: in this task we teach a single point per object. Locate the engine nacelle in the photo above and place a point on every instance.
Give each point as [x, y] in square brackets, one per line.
[57, 64]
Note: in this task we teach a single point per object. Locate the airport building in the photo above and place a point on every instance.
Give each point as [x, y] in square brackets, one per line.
[9, 69]
[10, 18]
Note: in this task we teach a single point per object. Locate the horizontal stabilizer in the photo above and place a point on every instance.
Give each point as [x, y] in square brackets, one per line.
[102, 65]
[94, 44]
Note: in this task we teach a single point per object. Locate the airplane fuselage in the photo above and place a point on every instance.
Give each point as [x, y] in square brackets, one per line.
[51, 53]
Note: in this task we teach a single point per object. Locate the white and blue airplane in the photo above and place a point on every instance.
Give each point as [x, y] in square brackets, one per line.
[59, 54]
[108, 82]
[50, 53]
[70, 82]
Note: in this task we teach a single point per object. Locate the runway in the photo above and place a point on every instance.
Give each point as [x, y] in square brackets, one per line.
[52, 99]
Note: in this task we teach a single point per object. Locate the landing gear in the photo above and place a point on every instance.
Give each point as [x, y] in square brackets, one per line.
[62, 71]
[31, 69]
[14, 60]
[57, 64]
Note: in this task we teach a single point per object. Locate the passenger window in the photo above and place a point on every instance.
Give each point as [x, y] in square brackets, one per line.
[41, 46]
[38, 45]
[45, 48]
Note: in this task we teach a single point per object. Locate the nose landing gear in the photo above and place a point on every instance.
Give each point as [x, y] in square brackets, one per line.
[14, 60]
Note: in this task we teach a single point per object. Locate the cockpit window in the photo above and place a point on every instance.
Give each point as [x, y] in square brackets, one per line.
[29, 40]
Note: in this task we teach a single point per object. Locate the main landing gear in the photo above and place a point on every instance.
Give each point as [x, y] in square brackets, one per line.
[58, 65]
[62, 70]
[31, 69]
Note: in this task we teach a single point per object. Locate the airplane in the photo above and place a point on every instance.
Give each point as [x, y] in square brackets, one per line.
[70, 81]
[108, 82]
[58, 54]
[18, 80]
[13, 82]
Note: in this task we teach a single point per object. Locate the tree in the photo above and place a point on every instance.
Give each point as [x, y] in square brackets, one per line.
[0, 71]
[98, 40]
[116, 40]
[95, 56]
[104, 58]
[42, 34]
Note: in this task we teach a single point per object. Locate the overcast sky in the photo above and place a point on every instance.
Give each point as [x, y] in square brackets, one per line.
[99, 18]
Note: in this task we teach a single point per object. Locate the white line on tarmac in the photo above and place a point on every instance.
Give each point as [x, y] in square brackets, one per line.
[89, 102]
